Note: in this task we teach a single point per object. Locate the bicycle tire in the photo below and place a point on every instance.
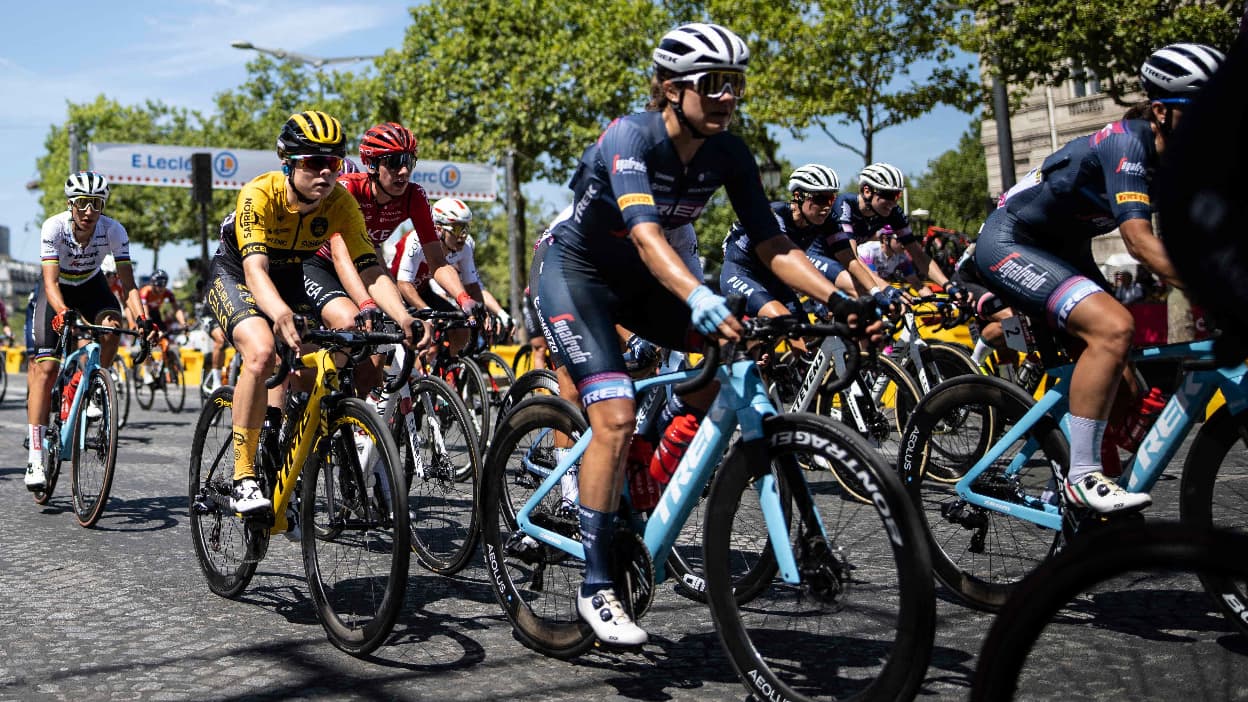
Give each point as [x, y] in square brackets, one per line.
[535, 585]
[441, 502]
[357, 579]
[226, 546]
[522, 361]
[1207, 475]
[94, 451]
[979, 554]
[121, 384]
[51, 458]
[470, 384]
[1088, 560]
[145, 393]
[4, 375]
[948, 361]
[498, 373]
[538, 381]
[809, 640]
[174, 385]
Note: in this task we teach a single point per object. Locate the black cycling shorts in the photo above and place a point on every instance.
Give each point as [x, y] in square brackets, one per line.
[92, 299]
[320, 282]
[231, 301]
[758, 286]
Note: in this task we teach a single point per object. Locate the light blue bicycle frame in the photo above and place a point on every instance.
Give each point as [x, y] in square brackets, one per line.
[743, 401]
[1156, 449]
[70, 431]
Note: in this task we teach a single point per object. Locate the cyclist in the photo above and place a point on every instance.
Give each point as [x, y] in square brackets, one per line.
[887, 258]
[386, 197]
[860, 216]
[155, 295]
[1035, 251]
[203, 315]
[257, 284]
[610, 263]
[410, 267]
[72, 248]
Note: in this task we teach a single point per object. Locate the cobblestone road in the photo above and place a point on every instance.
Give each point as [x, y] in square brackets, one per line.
[121, 612]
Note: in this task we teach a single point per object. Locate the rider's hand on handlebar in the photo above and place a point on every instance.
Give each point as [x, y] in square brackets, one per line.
[285, 329]
[860, 315]
[710, 314]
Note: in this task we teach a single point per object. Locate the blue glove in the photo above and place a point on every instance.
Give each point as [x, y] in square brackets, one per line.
[887, 297]
[960, 294]
[709, 309]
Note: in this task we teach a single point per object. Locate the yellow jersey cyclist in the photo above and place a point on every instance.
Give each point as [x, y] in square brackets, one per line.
[72, 248]
[257, 284]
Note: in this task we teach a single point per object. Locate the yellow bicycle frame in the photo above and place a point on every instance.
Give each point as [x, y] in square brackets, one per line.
[307, 434]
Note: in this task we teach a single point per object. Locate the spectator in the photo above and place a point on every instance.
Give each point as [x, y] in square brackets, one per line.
[1126, 289]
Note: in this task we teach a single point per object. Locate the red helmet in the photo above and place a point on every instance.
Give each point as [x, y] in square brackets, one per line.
[386, 138]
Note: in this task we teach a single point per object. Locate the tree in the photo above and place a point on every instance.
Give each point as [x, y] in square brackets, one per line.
[1037, 43]
[152, 216]
[955, 186]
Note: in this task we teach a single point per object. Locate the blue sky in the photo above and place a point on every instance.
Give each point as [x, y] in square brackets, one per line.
[179, 52]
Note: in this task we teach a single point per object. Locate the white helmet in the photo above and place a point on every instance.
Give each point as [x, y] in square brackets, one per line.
[87, 183]
[1179, 70]
[814, 178]
[882, 176]
[695, 47]
[450, 210]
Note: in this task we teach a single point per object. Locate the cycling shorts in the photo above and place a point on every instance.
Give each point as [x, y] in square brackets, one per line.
[320, 282]
[231, 301]
[825, 263]
[1045, 283]
[578, 308]
[91, 299]
[757, 285]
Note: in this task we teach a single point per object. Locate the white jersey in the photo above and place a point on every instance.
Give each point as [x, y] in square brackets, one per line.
[57, 247]
[887, 267]
[409, 263]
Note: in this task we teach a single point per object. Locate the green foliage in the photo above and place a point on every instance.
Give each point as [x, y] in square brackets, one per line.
[1043, 42]
[954, 189]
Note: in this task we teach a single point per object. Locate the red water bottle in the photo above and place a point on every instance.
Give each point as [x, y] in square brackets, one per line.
[643, 489]
[672, 447]
[67, 398]
[1141, 419]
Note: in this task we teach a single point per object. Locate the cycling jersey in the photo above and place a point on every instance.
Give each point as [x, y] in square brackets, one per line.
[409, 265]
[738, 248]
[382, 220]
[744, 274]
[854, 224]
[897, 267]
[265, 223]
[78, 264]
[153, 300]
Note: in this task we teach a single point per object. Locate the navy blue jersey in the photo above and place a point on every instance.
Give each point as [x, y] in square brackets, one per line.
[633, 174]
[1090, 186]
[739, 245]
[853, 223]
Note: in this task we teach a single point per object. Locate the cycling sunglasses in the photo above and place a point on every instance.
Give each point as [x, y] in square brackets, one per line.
[397, 162]
[318, 163]
[713, 84]
[459, 230]
[888, 194]
[82, 203]
[821, 199]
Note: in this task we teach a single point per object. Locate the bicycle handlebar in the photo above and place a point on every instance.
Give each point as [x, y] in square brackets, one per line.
[73, 321]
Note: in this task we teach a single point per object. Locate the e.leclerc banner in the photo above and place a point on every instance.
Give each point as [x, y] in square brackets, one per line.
[170, 166]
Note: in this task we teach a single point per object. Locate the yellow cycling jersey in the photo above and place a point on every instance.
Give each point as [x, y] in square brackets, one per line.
[264, 223]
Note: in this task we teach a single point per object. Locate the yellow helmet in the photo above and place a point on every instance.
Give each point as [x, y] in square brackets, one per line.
[311, 133]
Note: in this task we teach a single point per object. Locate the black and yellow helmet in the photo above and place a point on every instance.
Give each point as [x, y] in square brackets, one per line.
[311, 133]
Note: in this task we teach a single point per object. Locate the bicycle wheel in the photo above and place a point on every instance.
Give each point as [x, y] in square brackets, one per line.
[1076, 608]
[522, 362]
[442, 463]
[145, 379]
[538, 381]
[947, 361]
[172, 381]
[978, 553]
[4, 375]
[535, 584]
[352, 486]
[860, 623]
[227, 547]
[498, 375]
[882, 399]
[1214, 493]
[94, 451]
[121, 385]
[51, 457]
[470, 384]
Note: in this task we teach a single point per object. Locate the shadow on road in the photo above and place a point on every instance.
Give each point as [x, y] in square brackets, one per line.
[143, 514]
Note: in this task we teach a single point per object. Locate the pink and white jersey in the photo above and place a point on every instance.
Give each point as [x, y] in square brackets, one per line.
[57, 247]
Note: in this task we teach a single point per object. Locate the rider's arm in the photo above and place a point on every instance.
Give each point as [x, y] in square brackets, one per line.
[52, 286]
[491, 303]
[1147, 248]
[134, 304]
[346, 271]
[268, 299]
[662, 260]
[791, 266]
[864, 278]
[923, 263]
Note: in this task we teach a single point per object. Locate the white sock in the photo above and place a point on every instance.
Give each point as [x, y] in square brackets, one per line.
[569, 483]
[981, 352]
[1085, 446]
[35, 455]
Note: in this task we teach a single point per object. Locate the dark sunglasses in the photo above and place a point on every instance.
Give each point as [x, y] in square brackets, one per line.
[82, 203]
[318, 163]
[821, 199]
[397, 162]
[713, 84]
[888, 194]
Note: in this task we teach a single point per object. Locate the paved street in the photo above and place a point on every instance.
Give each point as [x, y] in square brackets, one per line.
[122, 612]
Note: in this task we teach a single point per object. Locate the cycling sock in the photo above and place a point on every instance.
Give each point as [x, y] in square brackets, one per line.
[981, 352]
[246, 441]
[569, 484]
[596, 538]
[35, 456]
[1086, 436]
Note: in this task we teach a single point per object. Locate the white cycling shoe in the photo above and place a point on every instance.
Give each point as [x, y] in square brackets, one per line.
[35, 479]
[1101, 495]
[611, 624]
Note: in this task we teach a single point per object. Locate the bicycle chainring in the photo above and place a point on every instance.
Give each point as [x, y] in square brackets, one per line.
[632, 571]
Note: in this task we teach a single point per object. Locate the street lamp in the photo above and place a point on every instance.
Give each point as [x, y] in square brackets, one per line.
[316, 62]
[921, 216]
[769, 171]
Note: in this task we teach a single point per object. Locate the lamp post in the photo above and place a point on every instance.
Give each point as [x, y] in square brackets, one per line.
[769, 171]
[921, 216]
[316, 62]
